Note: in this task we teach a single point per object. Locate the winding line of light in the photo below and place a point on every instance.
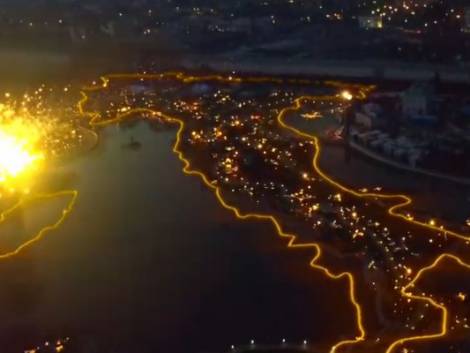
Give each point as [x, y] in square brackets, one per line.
[72, 194]
[96, 120]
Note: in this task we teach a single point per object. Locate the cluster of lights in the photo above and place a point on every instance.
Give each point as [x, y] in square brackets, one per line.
[284, 344]
[412, 12]
[59, 346]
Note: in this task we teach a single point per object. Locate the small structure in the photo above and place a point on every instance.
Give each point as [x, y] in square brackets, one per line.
[466, 25]
[401, 149]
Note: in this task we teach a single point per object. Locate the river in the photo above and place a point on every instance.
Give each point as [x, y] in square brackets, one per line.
[149, 262]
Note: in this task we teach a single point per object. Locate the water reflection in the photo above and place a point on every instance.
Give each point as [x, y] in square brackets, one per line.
[149, 262]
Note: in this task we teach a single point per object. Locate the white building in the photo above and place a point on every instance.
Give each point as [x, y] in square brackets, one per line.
[369, 115]
[418, 100]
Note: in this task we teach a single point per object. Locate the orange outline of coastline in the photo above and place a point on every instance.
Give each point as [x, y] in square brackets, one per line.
[94, 121]
[73, 194]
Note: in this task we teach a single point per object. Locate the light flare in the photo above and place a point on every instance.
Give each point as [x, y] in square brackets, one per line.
[19, 154]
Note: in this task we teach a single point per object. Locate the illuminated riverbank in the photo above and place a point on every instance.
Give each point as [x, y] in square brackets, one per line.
[97, 120]
[381, 202]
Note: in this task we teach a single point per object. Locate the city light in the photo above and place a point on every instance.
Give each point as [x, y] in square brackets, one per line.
[347, 95]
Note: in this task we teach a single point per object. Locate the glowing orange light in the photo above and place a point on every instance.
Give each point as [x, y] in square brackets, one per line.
[462, 296]
[347, 95]
[17, 150]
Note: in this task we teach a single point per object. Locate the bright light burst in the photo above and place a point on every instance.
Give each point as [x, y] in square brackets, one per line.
[18, 149]
[14, 156]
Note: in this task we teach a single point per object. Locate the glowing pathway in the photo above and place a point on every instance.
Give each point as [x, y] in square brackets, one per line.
[71, 195]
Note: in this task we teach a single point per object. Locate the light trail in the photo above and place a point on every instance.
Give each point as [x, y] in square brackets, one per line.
[20, 158]
[22, 154]
[96, 119]
[71, 194]
[404, 200]
[405, 291]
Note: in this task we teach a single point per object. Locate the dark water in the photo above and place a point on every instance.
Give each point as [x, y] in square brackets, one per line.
[429, 194]
[149, 262]
[358, 171]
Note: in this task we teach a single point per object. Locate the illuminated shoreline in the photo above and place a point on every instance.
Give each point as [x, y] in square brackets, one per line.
[402, 200]
[96, 120]
[71, 194]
